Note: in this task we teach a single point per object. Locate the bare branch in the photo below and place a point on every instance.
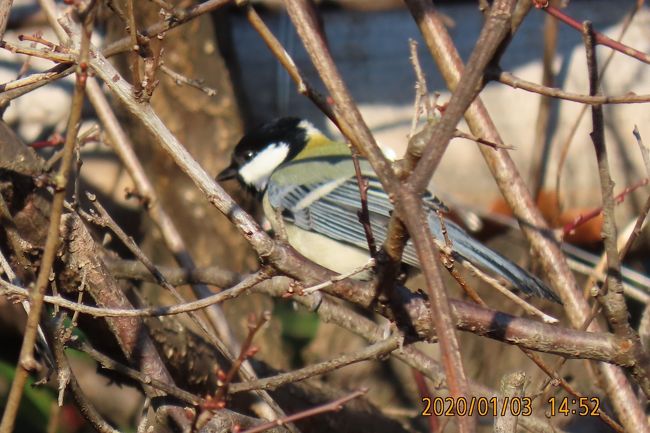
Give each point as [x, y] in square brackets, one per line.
[516, 194]
[26, 361]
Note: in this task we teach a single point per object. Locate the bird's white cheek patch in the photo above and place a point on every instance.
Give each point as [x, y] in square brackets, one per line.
[309, 128]
[257, 171]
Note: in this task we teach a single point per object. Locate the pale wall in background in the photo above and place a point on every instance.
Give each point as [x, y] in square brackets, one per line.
[371, 50]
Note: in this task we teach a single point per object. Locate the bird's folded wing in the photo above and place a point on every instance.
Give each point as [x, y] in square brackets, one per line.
[331, 208]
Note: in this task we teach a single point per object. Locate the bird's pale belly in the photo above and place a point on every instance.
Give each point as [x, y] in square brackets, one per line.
[325, 251]
[320, 249]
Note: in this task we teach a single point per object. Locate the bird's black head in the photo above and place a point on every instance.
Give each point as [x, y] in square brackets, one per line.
[263, 149]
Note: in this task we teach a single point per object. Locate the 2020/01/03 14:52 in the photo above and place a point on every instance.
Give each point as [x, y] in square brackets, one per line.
[517, 406]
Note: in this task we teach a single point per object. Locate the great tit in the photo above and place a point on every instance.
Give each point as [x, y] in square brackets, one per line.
[310, 182]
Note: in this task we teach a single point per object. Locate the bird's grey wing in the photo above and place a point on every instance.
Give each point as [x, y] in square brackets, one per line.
[464, 246]
[314, 207]
[331, 209]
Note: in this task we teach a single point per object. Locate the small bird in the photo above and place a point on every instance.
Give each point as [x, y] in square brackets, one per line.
[309, 181]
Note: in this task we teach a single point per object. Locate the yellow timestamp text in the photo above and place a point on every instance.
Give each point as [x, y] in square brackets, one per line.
[481, 406]
[581, 406]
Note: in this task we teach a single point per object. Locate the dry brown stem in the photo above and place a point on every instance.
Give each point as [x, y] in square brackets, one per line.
[516, 194]
[431, 317]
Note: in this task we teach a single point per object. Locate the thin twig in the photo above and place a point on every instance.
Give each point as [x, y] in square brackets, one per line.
[363, 214]
[48, 76]
[531, 222]
[11, 289]
[120, 46]
[247, 371]
[309, 290]
[123, 147]
[286, 61]
[554, 377]
[38, 39]
[182, 79]
[530, 309]
[333, 406]
[571, 226]
[541, 146]
[5, 8]
[612, 301]
[247, 350]
[599, 38]
[645, 151]
[421, 104]
[110, 364]
[134, 57]
[449, 263]
[179, 18]
[373, 351]
[493, 34]
[515, 82]
[53, 56]
[624, 243]
[460, 134]
[512, 388]
[26, 357]
[574, 129]
[86, 407]
[45, 350]
[469, 317]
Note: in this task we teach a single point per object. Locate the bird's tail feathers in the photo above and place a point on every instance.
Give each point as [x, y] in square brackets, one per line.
[475, 252]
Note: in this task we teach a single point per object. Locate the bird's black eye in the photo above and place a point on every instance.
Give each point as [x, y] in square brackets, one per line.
[249, 155]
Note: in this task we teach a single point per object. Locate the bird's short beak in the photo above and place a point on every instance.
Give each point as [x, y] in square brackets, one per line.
[228, 173]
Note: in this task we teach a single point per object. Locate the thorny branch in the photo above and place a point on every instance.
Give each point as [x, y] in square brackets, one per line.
[469, 317]
[611, 298]
[403, 182]
[26, 360]
[516, 194]
[599, 38]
